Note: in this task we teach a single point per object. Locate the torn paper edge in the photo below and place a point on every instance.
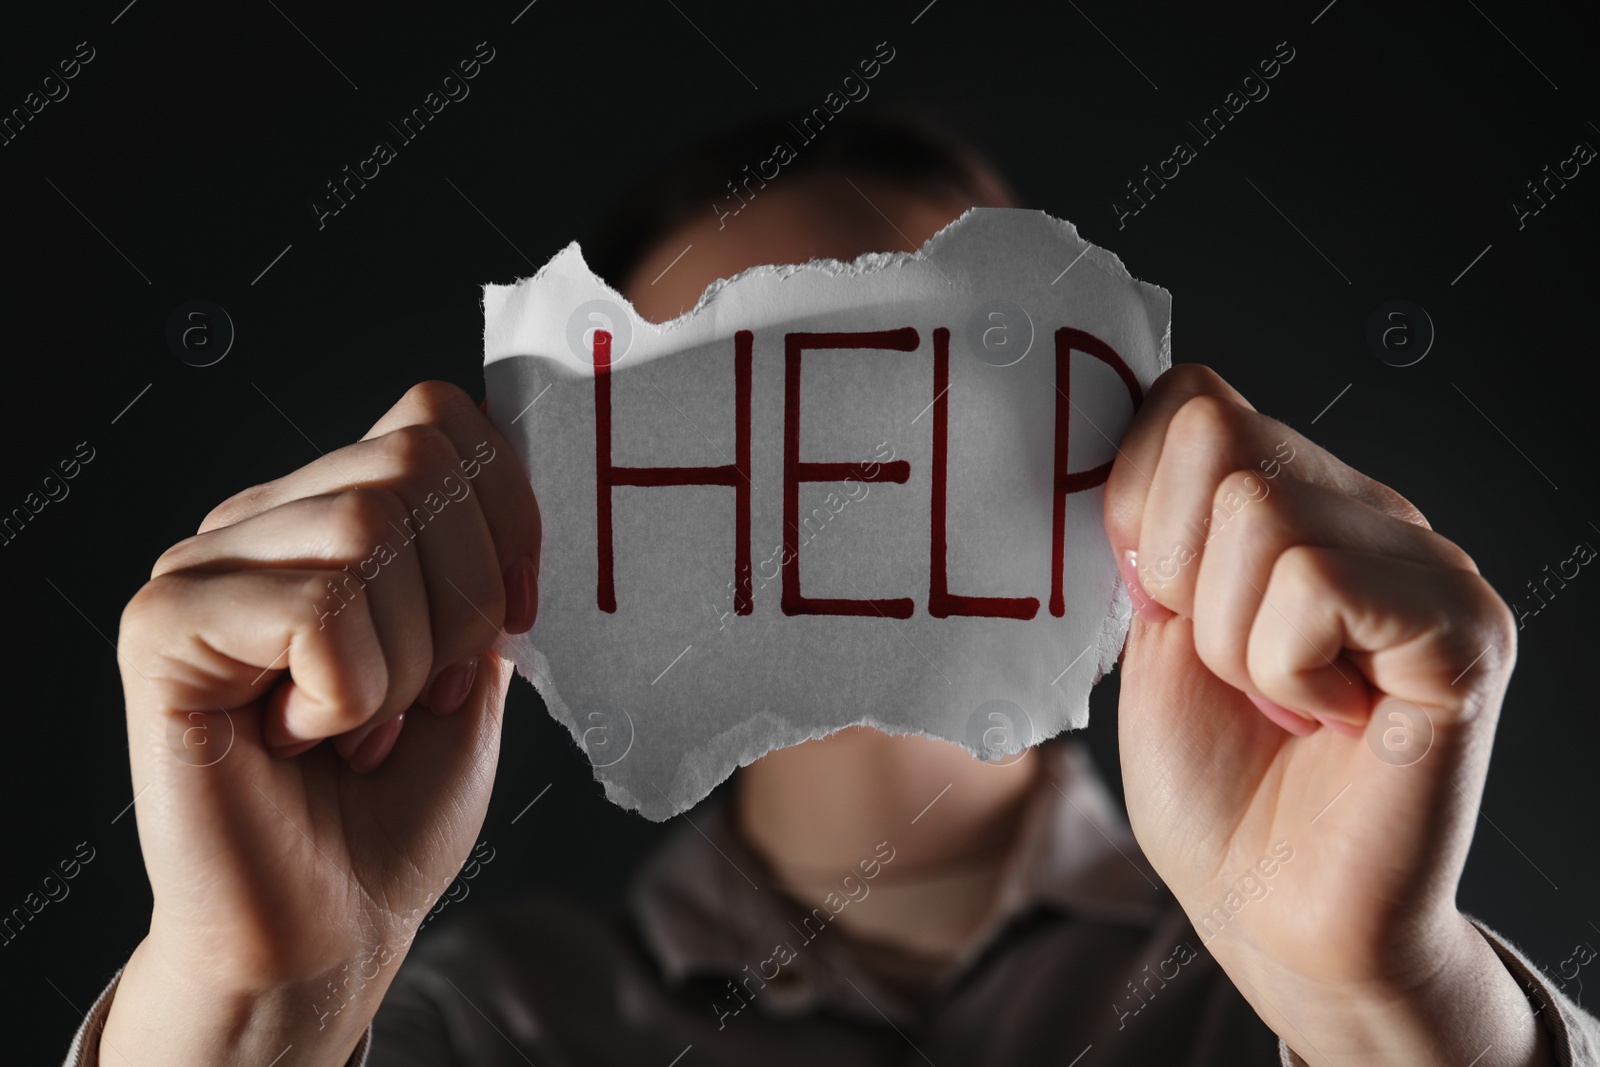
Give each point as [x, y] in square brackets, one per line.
[741, 744]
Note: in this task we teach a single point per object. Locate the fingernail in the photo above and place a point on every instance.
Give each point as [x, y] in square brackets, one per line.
[1348, 729]
[1296, 724]
[522, 596]
[286, 751]
[347, 743]
[376, 748]
[1142, 602]
[450, 689]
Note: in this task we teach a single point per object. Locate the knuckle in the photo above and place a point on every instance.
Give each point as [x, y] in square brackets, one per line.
[419, 449]
[143, 611]
[1495, 622]
[1244, 499]
[1243, 482]
[435, 400]
[330, 588]
[153, 628]
[361, 516]
[1243, 485]
[1206, 423]
[1300, 573]
[1195, 378]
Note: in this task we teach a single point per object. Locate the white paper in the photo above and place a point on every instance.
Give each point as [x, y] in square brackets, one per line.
[675, 688]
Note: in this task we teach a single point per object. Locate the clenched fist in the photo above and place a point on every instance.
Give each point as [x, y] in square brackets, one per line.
[336, 624]
[1309, 697]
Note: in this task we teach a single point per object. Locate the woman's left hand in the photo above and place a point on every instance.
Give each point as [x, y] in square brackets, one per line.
[1309, 698]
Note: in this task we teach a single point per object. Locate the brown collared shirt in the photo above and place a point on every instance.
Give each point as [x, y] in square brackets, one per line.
[1086, 961]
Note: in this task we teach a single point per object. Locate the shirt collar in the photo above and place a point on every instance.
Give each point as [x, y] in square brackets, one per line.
[707, 907]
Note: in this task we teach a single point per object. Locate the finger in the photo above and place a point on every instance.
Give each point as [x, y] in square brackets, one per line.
[185, 634]
[507, 497]
[410, 436]
[364, 532]
[1133, 471]
[343, 531]
[1206, 441]
[1192, 431]
[448, 758]
[375, 746]
[1254, 522]
[442, 521]
[1335, 622]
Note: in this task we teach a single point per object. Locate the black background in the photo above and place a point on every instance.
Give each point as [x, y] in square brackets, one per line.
[189, 150]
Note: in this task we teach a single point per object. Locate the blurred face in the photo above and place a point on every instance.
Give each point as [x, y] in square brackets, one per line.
[834, 796]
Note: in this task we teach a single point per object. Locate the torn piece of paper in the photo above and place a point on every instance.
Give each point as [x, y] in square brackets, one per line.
[832, 493]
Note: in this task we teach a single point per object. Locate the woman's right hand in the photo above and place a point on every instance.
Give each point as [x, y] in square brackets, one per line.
[313, 719]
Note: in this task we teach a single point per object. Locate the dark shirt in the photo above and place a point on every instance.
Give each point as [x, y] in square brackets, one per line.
[1086, 960]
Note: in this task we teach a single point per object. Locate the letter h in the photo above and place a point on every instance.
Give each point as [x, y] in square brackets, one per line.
[736, 474]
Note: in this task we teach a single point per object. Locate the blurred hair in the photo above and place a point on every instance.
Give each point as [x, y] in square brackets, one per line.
[904, 147]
